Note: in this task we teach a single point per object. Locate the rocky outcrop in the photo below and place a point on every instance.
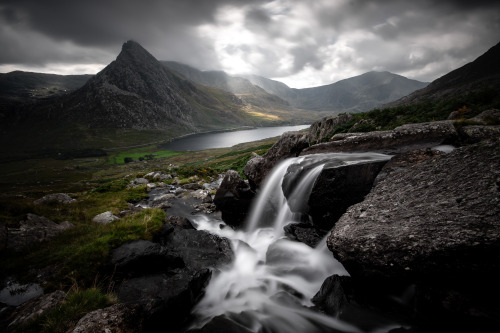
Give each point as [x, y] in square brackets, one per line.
[30, 231]
[435, 225]
[290, 144]
[427, 220]
[118, 318]
[105, 218]
[401, 139]
[322, 130]
[55, 197]
[233, 198]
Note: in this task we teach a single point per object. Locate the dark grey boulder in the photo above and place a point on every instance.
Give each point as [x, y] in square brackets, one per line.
[180, 221]
[290, 144]
[401, 139]
[55, 197]
[322, 130]
[165, 299]
[120, 318]
[233, 199]
[142, 256]
[32, 230]
[476, 133]
[438, 218]
[197, 248]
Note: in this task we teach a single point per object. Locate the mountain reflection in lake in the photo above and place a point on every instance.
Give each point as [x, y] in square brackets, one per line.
[227, 139]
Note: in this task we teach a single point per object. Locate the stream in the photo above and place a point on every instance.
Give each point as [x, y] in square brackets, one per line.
[269, 286]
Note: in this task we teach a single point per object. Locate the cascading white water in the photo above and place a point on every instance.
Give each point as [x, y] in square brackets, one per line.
[272, 278]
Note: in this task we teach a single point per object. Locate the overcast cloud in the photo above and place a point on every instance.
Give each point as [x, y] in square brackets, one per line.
[300, 42]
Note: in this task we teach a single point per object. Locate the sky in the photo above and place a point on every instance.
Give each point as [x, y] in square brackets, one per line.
[303, 43]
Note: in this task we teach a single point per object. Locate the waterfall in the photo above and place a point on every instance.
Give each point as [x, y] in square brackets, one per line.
[272, 278]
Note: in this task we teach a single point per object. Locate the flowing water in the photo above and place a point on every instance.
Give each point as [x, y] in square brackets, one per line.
[269, 285]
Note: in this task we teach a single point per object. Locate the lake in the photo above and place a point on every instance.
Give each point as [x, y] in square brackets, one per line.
[227, 139]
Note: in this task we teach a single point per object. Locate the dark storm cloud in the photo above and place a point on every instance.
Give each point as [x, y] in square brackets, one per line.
[162, 25]
[302, 41]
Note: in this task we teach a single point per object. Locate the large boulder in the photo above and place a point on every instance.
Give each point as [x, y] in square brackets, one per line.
[233, 199]
[30, 231]
[165, 299]
[142, 256]
[105, 218]
[476, 133]
[197, 248]
[290, 144]
[436, 225]
[322, 130]
[403, 138]
[118, 318]
[436, 217]
[55, 197]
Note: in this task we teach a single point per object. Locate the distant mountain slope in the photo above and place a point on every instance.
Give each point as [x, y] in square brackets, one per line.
[239, 86]
[355, 94]
[484, 72]
[20, 84]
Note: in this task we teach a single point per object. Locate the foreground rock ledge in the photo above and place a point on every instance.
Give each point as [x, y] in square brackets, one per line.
[438, 219]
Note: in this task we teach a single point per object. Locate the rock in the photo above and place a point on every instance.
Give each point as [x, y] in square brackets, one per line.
[180, 221]
[140, 181]
[305, 233]
[55, 197]
[290, 144]
[233, 199]
[207, 199]
[142, 256]
[36, 307]
[193, 186]
[335, 293]
[439, 218]
[401, 139]
[475, 133]
[322, 130]
[199, 249]
[118, 318]
[488, 117]
[105, 218]
[400, 162]
[165, 299]
[34, 229]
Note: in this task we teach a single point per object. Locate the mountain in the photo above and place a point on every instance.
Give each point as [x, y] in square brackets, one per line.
[135, 99]
[482, 73]
[241, 87]
[355, 94]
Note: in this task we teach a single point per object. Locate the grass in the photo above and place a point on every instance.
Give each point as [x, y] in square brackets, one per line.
[64, 317]
[136, 154]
